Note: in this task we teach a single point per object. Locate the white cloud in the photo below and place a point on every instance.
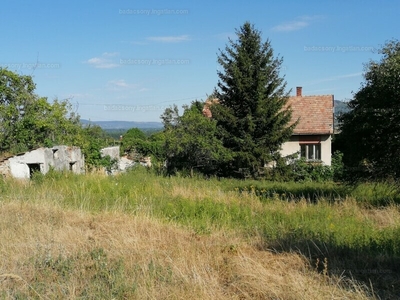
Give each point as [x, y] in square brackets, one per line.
[110, 54]
[78, 95]
[349, 75]
[297, 24]
[95, 61]
[291, 26]
[169, 39]
[121, 84]
[104, 61]
[338, 77]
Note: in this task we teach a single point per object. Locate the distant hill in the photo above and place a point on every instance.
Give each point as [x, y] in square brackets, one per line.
[124, 124]
[340, 108]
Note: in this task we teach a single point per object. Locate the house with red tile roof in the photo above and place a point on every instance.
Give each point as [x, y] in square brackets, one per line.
[312, 137]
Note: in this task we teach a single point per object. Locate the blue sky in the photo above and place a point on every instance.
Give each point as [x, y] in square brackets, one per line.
[129, 60]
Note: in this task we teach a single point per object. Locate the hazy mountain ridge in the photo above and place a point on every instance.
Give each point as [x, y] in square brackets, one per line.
[340, 108]
[123, 124]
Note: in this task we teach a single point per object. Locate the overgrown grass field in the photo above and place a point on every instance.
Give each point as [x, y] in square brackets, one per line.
[138, 235]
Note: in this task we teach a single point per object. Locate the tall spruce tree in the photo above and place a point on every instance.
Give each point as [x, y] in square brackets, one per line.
[252, 117]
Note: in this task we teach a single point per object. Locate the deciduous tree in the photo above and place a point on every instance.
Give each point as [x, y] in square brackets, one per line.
[370, 132]
[28, 121]
[191, 143]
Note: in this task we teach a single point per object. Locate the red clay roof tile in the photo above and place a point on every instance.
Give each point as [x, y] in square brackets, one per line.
[315, 114]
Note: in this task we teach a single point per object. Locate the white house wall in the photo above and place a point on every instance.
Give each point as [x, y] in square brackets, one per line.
[293, 145]
[326, 149]
[290, 147]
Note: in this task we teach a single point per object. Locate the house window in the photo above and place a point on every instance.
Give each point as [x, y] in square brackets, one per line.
[310, 151]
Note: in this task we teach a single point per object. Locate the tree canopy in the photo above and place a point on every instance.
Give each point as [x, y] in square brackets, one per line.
[370, 132]
[137, 145]
[28, 121]
[191, 142]
[251, 114]
[243, 124]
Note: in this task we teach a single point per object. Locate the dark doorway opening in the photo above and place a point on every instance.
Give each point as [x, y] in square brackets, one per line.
[55, 153]
[33, 168]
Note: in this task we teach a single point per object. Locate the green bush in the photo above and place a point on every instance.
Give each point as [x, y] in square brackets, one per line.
[337, 166]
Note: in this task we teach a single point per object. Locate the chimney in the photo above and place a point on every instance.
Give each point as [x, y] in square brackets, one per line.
[299, 91]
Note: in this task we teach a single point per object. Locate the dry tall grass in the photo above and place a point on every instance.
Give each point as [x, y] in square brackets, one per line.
[50, 253]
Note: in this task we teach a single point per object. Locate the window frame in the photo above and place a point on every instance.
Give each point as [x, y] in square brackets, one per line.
[315, 153]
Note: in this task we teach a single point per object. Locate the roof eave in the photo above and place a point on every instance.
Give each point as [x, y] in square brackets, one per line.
[312, 133]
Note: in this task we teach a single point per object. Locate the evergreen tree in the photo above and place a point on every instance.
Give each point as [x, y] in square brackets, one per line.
[252, 118]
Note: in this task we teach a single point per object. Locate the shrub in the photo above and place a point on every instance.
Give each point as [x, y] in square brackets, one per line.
[337, 166]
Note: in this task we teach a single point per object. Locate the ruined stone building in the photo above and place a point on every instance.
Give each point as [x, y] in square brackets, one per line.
[42, 160]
